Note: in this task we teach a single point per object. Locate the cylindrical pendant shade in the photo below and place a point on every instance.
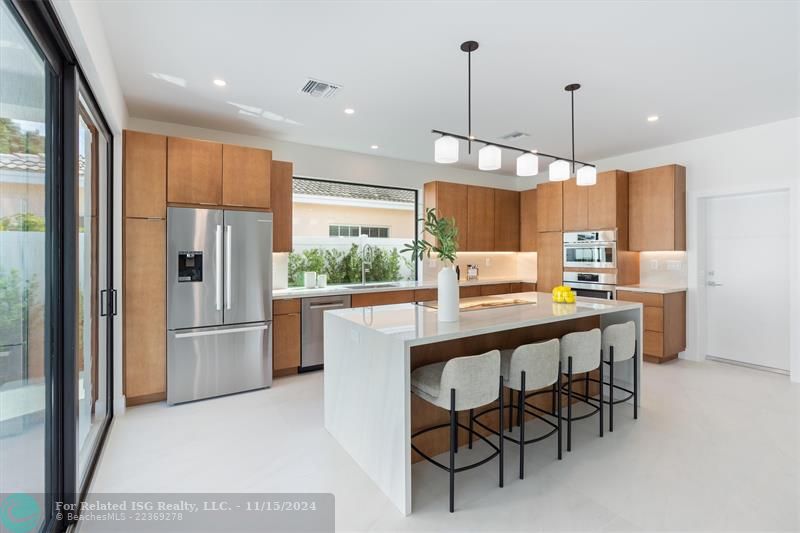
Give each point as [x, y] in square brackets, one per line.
[559, 170]
[445, 149]
[527, 165]
[586, 175]
[489, 158]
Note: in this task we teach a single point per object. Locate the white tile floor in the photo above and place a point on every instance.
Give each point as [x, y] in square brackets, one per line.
[716, 447]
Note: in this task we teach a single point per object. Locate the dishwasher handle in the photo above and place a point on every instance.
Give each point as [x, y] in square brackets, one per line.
[326, 305]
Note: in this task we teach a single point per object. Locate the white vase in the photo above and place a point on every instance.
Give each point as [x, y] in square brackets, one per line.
[448, 295]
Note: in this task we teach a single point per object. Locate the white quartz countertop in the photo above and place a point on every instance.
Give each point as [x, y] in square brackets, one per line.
[416, 324]
[335, 290]
[651, 288]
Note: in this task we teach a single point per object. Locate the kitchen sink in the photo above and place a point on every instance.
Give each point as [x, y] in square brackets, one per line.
[373, 286]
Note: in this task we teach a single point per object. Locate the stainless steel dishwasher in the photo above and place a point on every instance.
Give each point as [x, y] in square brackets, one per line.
[311, 350]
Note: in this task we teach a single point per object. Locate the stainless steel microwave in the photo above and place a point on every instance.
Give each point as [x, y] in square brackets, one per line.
[590, 249]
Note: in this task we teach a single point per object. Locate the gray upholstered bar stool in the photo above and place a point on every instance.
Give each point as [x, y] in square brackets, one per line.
[462, 383]
[580, 353]
[530, 368]
[619, 344]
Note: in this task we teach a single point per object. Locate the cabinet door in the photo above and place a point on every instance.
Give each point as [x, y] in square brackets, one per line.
[470, 291]
[246, 176]
[281, 203]
[449, 200]
[285, 341]
[145, 174]
[480, 221]
[549, 206]
[602, 201]
[499, 288]
[506, 220]
[657, 209]
[194, 172]
[576, 206]
[145, 322]
[528, 225]
[381, 298]
[549, 261]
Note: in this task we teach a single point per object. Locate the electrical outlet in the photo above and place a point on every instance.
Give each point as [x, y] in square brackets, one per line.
[488, 261]
[674, 265]
[653, 264]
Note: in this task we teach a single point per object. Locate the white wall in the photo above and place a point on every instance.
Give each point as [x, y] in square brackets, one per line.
[81, 21]
[754, 159]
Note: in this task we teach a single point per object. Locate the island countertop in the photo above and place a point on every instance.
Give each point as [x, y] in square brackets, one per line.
[417, 324]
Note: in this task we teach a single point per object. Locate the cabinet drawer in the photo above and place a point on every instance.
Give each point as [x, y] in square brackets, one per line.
[515, 287]
[527, 287]
[425, 295]
[469, 292]
[382, 298]
[646, 298]
[654, 319]
[654, 343]
[500, 288]
[284, 307]
[286, 341]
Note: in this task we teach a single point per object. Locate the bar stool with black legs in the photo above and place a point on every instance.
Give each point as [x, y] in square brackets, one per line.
[462, 383]
[580, 353]
[530, 367]
[619, 344]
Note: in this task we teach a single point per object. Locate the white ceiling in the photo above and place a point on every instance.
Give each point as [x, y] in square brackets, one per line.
[703, 67]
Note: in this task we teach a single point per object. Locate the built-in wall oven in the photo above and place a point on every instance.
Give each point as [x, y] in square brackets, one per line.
[592, 284]
[590, 249]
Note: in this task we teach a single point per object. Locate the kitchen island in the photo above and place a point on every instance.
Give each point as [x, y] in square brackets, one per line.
[370, 353]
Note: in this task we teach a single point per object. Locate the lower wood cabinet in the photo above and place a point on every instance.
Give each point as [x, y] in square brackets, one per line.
[527, 286]
[549, 261]
[471, 291]
[500, 288]
[664, 323]
[426, 295]
[145, 311]
[286, 342]
[381, 298]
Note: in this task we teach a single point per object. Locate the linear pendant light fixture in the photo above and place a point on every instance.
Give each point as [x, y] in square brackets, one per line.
[445, 148]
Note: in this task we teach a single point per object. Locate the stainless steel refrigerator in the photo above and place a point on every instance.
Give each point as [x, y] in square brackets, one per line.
[219, 302]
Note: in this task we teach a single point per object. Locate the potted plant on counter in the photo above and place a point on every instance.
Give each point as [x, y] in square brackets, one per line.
[444, 233]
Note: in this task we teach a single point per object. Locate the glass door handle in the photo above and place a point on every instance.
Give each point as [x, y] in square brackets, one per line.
[714, 284]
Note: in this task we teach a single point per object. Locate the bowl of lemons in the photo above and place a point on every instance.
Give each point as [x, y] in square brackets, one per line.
[563, 295]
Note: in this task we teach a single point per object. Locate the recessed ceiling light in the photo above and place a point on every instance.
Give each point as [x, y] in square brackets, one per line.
[374, 146]
[652, 118]
[220, 83]
[349, 111]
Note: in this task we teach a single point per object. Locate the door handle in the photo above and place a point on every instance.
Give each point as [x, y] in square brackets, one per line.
[218, 292]
[114, 302]
[104, 302]
[219, 332]
[714, 284]
[326, 306]
[228, 297]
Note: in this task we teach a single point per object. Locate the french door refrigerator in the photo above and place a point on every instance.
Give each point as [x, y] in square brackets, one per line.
[219, 302]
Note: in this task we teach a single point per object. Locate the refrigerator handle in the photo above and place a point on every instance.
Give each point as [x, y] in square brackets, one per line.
[218, 291]
[228, 296]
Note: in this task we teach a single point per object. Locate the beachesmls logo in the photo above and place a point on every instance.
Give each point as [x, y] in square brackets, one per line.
[19, 513]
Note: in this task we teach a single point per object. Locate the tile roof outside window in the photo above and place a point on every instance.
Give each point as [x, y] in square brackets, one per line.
[348, 190]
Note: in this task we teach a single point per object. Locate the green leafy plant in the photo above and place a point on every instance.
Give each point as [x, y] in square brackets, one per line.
[345, 266]
[444, 233]
[22, 222]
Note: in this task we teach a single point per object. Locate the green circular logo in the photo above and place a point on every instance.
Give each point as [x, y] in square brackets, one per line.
[20, 512]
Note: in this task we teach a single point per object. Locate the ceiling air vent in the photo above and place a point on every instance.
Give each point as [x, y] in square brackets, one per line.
[514, 135]
[319, 89]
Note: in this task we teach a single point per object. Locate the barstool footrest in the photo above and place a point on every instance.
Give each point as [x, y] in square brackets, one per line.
[510, 438]
[461, 468]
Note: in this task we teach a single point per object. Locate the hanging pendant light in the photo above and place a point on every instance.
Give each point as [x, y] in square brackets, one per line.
[489, 157]
[587, 175]
[445, 149]
[527, 165]
[558, 170]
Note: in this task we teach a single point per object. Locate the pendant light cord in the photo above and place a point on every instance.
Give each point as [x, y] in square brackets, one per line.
[469, 101]
[572, 103]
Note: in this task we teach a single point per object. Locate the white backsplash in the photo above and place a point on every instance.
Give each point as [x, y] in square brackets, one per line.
[280, 270]
[491, 265]
[663, 269]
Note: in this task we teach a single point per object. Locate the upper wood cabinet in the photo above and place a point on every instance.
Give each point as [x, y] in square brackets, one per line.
[281, 203]
[528, 225]
[657, 209]
[576, 206]
[194, 172]
[600, 206]
[449, 200]
[144, 173]
[480, 218]
[549, 207]
[549, 262]
[506, 220]
[246, 176]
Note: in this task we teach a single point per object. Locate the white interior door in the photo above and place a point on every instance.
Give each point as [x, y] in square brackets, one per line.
[747, 277]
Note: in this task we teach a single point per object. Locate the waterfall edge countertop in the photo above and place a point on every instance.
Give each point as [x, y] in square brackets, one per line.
[369, 353]
[388, 286]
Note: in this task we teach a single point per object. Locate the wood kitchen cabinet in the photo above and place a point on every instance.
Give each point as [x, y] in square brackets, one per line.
[381, 298]
[469, 291]
[576, 206]
[506, 220]
[664, 323]
[549, 263]
[528, 225]
[600, 206]
[194, 172]
[549, 206]
[286, 337]
[498, 288]
[281, 204]
[426, 295]
[449, 200]
[480, 218]
[657, 209]
[145, 309]
[246, 176]
[527, 286]
[144, 174]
